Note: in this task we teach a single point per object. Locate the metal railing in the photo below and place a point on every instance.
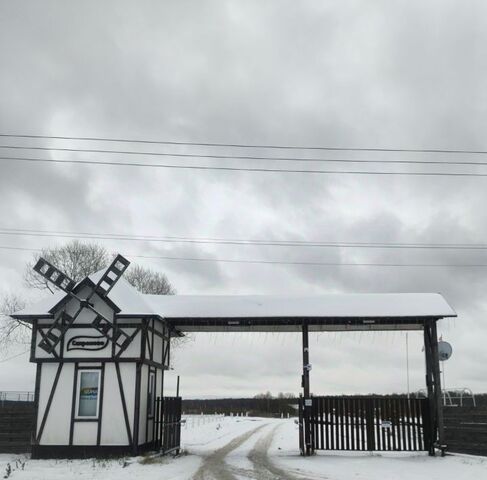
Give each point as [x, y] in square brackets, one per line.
[453, 397]
[16, 396]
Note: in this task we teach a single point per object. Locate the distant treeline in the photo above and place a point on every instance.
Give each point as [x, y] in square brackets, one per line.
[269, 406]
[262, 407]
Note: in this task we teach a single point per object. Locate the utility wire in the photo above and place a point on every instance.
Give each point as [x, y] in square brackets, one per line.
[14, 356]
[242, 157]
[279, 262]
[247, 145]
[232, 241]
[325, 264]
[241, 169]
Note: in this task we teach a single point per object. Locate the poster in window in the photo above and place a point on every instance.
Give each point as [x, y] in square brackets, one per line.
[88, 394]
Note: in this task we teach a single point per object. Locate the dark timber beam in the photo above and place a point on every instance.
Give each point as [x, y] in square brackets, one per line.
[429, 387]
[306, 391]
[433, 384]
[437, 387]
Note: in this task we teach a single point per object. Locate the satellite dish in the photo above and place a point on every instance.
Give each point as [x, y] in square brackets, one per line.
[444, 351]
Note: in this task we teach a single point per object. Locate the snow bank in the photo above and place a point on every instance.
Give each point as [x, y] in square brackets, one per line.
[202, 440]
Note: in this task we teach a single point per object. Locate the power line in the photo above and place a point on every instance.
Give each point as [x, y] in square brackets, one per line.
[14, 356]
[233, 241]
[323, 264]
[279, 262]
[241, 169]
[243, 157]
[23, 249]
[247, 145]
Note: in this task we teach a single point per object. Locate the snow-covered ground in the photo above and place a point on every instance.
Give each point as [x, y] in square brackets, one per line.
[238, 448]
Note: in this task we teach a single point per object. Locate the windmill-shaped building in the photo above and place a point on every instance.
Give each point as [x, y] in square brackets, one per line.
[101, 353]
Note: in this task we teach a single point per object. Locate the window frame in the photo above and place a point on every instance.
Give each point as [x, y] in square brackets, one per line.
[77, 416]
[151, 404]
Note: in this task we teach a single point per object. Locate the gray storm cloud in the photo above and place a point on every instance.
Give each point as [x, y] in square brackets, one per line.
[380, 73]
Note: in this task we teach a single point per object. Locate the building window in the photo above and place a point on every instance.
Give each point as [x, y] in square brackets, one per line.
[151, 398]
[88, 393]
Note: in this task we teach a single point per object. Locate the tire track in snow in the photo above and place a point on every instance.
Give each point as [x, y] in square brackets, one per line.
[214, 466]
[265, 469]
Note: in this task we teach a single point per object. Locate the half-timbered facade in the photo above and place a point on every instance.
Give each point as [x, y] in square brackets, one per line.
[95, 395]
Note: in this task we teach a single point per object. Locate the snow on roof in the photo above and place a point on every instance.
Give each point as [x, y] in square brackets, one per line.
[376, 305]
[331, 305]
[124, 295]
[41, 307]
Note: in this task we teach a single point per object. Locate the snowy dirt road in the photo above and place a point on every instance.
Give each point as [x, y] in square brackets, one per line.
[242, 448]
[226, 462]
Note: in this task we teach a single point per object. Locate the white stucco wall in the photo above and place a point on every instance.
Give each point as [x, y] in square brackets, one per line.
[56, 429]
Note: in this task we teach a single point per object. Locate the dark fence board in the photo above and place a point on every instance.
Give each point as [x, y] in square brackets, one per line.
[168, 424]
[368, 423]
[466, 429]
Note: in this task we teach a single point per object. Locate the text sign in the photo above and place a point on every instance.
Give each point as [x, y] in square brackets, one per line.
[87, 342]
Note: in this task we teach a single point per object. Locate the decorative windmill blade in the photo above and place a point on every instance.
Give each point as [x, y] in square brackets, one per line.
[54, 275]
[106, 328]
[59, 279]
[112, 275]
[108, 280]
[63, 322]
[56, 331]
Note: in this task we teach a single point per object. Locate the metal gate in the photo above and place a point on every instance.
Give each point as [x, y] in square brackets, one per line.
[167, 424]
[364, 423]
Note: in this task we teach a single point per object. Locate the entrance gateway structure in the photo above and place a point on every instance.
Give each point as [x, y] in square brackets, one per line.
[102, 348]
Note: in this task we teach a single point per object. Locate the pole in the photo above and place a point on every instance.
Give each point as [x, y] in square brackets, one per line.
[437, 386]
[305, 361]
[444, 385]
[177, 387]
[429, 386]
[407, 363]
[306, 395]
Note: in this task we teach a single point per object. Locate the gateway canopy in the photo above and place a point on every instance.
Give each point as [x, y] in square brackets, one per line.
[268, 312]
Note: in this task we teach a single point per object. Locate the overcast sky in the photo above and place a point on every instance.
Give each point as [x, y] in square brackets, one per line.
[403, 74]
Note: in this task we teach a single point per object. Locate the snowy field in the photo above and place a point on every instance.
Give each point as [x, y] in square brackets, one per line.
[239, 448]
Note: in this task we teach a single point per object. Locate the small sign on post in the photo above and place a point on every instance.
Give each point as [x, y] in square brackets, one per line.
[308, 402]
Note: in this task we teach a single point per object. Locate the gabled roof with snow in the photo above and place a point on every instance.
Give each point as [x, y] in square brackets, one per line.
[200, 312]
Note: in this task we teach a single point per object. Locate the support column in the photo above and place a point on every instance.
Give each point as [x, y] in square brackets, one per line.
[437, 387]
[433, 384]
[308, 447]
[429, 387]
[305, 382]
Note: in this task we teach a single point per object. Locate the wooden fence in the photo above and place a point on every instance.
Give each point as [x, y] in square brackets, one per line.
[366, 423]
[466, 429]
[167, 424]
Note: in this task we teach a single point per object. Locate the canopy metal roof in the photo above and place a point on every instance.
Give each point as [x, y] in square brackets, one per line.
[196, 313]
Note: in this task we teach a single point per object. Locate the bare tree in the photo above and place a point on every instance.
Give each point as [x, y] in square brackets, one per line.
[267, 394]
[149, 281]
[75, 259]
[285, 395]
[12, 331]
[79, 260]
